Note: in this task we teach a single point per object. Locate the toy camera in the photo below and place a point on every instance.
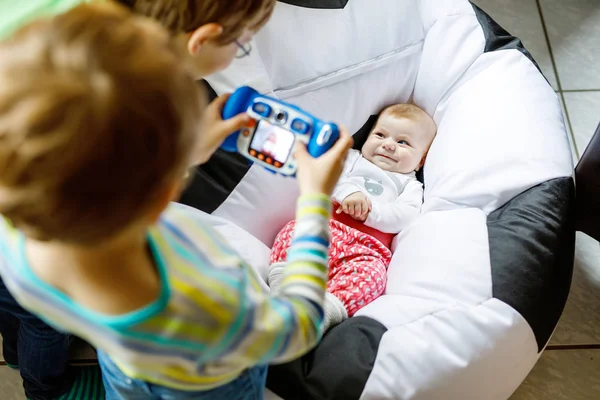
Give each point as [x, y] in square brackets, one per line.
[275, 126]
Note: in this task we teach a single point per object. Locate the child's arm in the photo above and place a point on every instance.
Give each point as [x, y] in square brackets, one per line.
[267, 329]
[283, 327]
[394, 217]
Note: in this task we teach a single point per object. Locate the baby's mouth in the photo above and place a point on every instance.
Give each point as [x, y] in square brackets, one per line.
[388, 157]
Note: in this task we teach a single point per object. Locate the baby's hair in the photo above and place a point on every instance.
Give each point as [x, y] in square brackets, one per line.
[184, 16]
[98, 116]
[409, 111]
[404, 110]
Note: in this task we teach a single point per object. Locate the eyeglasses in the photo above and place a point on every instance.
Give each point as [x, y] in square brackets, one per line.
[243, 50]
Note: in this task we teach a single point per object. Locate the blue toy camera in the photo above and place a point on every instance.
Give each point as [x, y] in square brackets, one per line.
[269, 138]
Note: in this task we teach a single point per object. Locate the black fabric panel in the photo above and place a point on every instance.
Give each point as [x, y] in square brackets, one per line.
[497, 38]
[213, 181]
[360, 137]
[330, 4]
[532, 245]
[337, 369]
[587, 179]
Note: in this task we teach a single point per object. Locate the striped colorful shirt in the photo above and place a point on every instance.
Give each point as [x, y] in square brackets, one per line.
[211, 320]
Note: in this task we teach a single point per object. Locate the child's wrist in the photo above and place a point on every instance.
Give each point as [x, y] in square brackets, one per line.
[315, 201]
[315, 196]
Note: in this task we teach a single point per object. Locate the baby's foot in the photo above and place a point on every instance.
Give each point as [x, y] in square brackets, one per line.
[334, 311]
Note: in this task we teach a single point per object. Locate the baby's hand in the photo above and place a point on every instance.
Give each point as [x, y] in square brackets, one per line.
[357, 205]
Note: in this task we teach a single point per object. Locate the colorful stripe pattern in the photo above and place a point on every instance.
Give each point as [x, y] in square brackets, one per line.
[212, 320]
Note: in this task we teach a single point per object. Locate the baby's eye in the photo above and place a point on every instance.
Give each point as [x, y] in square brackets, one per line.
[403, 142]
[379, 134]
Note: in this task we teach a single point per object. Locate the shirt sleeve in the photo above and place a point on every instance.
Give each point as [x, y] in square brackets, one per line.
[396, 216]
[345, 187]
[282, 327]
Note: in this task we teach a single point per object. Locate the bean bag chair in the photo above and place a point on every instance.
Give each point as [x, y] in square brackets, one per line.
[477, 284]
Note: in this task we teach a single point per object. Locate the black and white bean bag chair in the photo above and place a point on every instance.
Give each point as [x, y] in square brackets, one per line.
[478, 283]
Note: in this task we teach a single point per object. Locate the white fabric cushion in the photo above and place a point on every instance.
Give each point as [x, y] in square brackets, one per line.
[500, 133]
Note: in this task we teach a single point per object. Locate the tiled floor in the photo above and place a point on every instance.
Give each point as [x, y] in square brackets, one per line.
[10, 381]
[564, 38]
[10, 384]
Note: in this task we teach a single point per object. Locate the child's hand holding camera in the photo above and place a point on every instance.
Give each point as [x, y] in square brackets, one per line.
[215, 129]
[320, 175]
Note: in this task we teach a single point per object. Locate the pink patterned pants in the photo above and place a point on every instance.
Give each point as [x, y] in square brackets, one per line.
[357, 264]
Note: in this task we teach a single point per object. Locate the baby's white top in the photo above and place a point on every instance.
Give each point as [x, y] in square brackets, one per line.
[396, 198]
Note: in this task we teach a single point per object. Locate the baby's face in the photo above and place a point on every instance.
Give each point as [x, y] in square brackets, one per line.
[399, 144]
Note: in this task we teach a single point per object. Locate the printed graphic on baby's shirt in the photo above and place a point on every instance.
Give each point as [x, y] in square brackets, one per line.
[374, 188]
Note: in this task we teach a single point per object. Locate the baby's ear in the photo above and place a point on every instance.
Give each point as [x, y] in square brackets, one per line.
[201, 35]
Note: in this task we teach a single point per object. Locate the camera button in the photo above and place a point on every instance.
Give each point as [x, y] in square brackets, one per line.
[324, 135]
[262, 109]
[299, 126]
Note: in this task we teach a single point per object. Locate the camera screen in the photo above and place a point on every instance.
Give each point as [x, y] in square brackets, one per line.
[272, 142]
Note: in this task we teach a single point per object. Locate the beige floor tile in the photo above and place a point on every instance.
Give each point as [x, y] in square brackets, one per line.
[521, 18]
[574, 151]
[563, 375]
[11, 385]
[584, 111]
[574, 31]
[580, 322]
[564, 110]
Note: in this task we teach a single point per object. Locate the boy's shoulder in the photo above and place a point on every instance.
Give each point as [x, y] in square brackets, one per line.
[11, 241]
[179, 214]
[8, 232]
[192, 226]
[183, 229]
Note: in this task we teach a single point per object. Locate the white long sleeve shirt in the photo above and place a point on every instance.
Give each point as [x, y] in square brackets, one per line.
[396, 198]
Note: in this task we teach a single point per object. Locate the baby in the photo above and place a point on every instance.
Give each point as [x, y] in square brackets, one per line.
[376, 197]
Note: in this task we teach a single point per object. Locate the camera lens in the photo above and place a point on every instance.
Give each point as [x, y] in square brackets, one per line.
[280, 116]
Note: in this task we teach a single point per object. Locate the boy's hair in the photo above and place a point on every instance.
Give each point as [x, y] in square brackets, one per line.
[184, 16]
[97, 117]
